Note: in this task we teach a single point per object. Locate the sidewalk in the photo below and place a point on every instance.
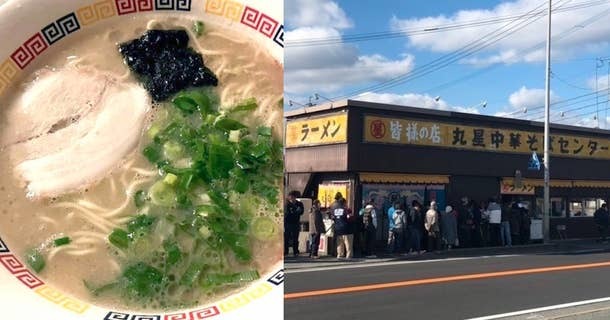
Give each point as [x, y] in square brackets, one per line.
[576, 246]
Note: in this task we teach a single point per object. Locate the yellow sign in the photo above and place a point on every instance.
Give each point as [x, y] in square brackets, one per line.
[327, 192]
[315, 131]
[508, 187]
[441, 134]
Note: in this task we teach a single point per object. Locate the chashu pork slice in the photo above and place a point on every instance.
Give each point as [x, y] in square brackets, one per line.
[86, 150]
[53, 101]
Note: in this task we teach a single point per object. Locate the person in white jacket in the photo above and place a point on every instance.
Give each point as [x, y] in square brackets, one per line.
[432, 228]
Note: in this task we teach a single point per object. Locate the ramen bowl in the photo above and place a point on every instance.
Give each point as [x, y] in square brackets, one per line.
[71, 48]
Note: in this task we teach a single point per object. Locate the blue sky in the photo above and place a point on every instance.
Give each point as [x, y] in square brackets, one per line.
[507, 74]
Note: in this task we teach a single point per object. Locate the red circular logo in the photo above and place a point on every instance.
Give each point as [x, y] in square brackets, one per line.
[377, 129]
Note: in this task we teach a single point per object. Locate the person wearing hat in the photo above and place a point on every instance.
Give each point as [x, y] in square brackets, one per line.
[343, 232]
[449, 227]
[369, 229]
[432, 228]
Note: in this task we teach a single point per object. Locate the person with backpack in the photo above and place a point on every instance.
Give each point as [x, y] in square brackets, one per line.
[391, 235]
[369, 230]
[400, 222]
[343, 234]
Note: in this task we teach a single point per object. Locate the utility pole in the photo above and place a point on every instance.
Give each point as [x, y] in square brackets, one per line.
[547, 104]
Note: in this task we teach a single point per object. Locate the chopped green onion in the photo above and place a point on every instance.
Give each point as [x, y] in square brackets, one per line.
[35, 260]
[198, 28]
[173, 150]
[234, 135]
[141, 222]
[228, 124]
[205, 232]
[216, 279]
[246, 105]
[172, 251]
[139, 198]
[263, 228]
[186, 104]
[170, 179]
[191, 274]
[152, 153]
[264, 131]
[142, 280]
[119, 238]
[162, 194]
[96, 291]
[61, 241]
[153, 131]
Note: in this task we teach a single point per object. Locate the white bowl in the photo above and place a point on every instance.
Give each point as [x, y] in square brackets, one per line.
[30, 29]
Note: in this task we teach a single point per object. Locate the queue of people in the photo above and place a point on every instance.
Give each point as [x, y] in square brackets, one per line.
[468, 224]
[412, 229]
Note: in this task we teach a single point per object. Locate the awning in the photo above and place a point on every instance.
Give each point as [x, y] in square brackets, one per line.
[540, 183]
[591, 184]
[370, 177]
[561, 183]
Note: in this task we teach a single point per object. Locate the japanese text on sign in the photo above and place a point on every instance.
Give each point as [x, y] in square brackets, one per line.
[426, 133]
[324, 130]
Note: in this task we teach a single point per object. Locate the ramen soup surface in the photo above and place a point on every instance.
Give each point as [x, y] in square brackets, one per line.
[104, 191]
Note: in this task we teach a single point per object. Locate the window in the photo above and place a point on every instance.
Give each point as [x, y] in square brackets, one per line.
[585, 207]
[576, 208]
[590, 207]
[558, 208]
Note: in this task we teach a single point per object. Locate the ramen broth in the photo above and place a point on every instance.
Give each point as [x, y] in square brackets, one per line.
[244, 70]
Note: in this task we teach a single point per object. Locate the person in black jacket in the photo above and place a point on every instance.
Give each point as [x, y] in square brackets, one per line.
[292, 217]
[343, 232]
[602, 219]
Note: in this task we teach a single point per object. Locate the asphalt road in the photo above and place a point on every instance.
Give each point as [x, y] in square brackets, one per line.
[452, 299]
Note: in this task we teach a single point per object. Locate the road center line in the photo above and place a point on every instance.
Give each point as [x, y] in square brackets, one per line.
[475, 276]
[542, 309]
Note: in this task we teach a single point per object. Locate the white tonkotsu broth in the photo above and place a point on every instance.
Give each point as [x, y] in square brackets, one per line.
[105, 172]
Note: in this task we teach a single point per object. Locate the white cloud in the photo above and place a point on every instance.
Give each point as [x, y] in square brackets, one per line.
[588, 122]
[329, 79]
[602, 83]
[328, 69]
[308, 13]
[318, 57]
[526, 98]
[414, 100]
[519, 46]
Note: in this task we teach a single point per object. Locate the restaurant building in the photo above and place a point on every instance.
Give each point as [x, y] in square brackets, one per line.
[389, 152]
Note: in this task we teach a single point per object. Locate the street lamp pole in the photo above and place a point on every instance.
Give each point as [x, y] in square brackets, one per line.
[547, 102]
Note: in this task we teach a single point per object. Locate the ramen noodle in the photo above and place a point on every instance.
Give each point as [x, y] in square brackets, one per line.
[129, 202]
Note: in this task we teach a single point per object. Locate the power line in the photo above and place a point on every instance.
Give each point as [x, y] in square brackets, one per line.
[357, 37]
[562, 35]
[555, 76]
[467, 50]
[580, 115]
[558, 104]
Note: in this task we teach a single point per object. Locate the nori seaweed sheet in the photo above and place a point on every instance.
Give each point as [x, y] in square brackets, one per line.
[165, 64]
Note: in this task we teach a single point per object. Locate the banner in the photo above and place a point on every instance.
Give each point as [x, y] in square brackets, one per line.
[484, 138]
[317, 131]
[327, 192]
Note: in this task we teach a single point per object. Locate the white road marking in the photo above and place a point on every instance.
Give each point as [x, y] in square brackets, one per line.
[542, 309]
[358, 265]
